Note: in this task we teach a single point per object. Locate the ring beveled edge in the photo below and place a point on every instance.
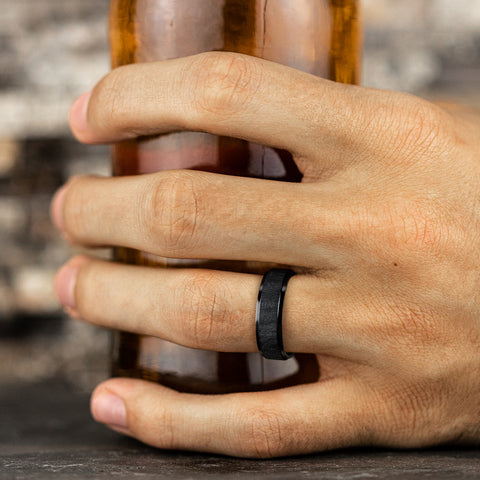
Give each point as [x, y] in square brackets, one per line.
[288, 275]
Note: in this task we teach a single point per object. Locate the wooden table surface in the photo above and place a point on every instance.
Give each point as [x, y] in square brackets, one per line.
[46, 433]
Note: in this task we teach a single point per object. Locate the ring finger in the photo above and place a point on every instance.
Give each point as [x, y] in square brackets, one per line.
[215, 310]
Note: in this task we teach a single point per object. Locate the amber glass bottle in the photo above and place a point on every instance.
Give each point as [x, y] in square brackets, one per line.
[322, 37]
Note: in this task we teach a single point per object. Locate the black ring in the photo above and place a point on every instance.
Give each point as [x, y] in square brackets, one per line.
[268, 320]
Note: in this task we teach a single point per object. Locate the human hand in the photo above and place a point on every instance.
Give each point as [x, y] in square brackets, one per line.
[384, 232]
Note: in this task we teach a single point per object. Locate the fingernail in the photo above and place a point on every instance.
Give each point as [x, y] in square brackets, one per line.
[78, 112]
[65, 281]
[109, 409]
[56, 210]
[65, 285]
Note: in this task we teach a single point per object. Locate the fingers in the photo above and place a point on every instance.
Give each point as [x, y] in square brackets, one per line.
[185, 214]
[245, 97]
[291, 421]
[215, 310]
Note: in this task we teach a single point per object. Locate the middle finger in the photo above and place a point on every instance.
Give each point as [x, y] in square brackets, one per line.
[189, 214]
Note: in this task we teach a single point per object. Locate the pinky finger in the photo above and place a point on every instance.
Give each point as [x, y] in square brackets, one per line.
[290, 421]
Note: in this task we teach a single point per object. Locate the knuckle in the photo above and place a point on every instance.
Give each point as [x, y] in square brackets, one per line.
[262, 435]
[416, 226]
[414, 325]
[206, 313]
[411, 333]
[109, 106]
[224, 83]
[172, 212]
[417, 412]
[401, 416]
[404, 225]
[424, 126]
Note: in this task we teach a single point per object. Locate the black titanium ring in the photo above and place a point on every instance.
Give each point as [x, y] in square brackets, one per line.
[268, 320]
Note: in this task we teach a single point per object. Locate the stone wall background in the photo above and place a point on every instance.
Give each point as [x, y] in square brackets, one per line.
[53, 50]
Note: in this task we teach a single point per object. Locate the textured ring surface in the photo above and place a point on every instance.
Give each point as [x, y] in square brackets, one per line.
[268, 319]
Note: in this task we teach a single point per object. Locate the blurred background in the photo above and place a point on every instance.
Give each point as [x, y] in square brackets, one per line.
[53, 50]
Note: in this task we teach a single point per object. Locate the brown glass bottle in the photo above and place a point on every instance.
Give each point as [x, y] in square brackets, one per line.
[322, 37]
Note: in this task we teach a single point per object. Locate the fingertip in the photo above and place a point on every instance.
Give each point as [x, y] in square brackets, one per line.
[109, 408]
[78, 117]
[65, 281]
[105, 405]
[56, 208]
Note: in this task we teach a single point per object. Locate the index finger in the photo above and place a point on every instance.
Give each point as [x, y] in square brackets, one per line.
[230, 95]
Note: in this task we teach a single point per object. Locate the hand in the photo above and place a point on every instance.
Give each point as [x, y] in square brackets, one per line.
[384, 231]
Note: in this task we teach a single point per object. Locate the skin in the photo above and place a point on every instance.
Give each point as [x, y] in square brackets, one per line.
[384, 233]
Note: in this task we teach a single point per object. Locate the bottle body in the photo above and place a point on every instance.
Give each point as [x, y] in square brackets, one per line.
[317, 36]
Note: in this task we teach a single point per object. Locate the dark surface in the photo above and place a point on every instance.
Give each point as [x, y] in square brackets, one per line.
[46, 432]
